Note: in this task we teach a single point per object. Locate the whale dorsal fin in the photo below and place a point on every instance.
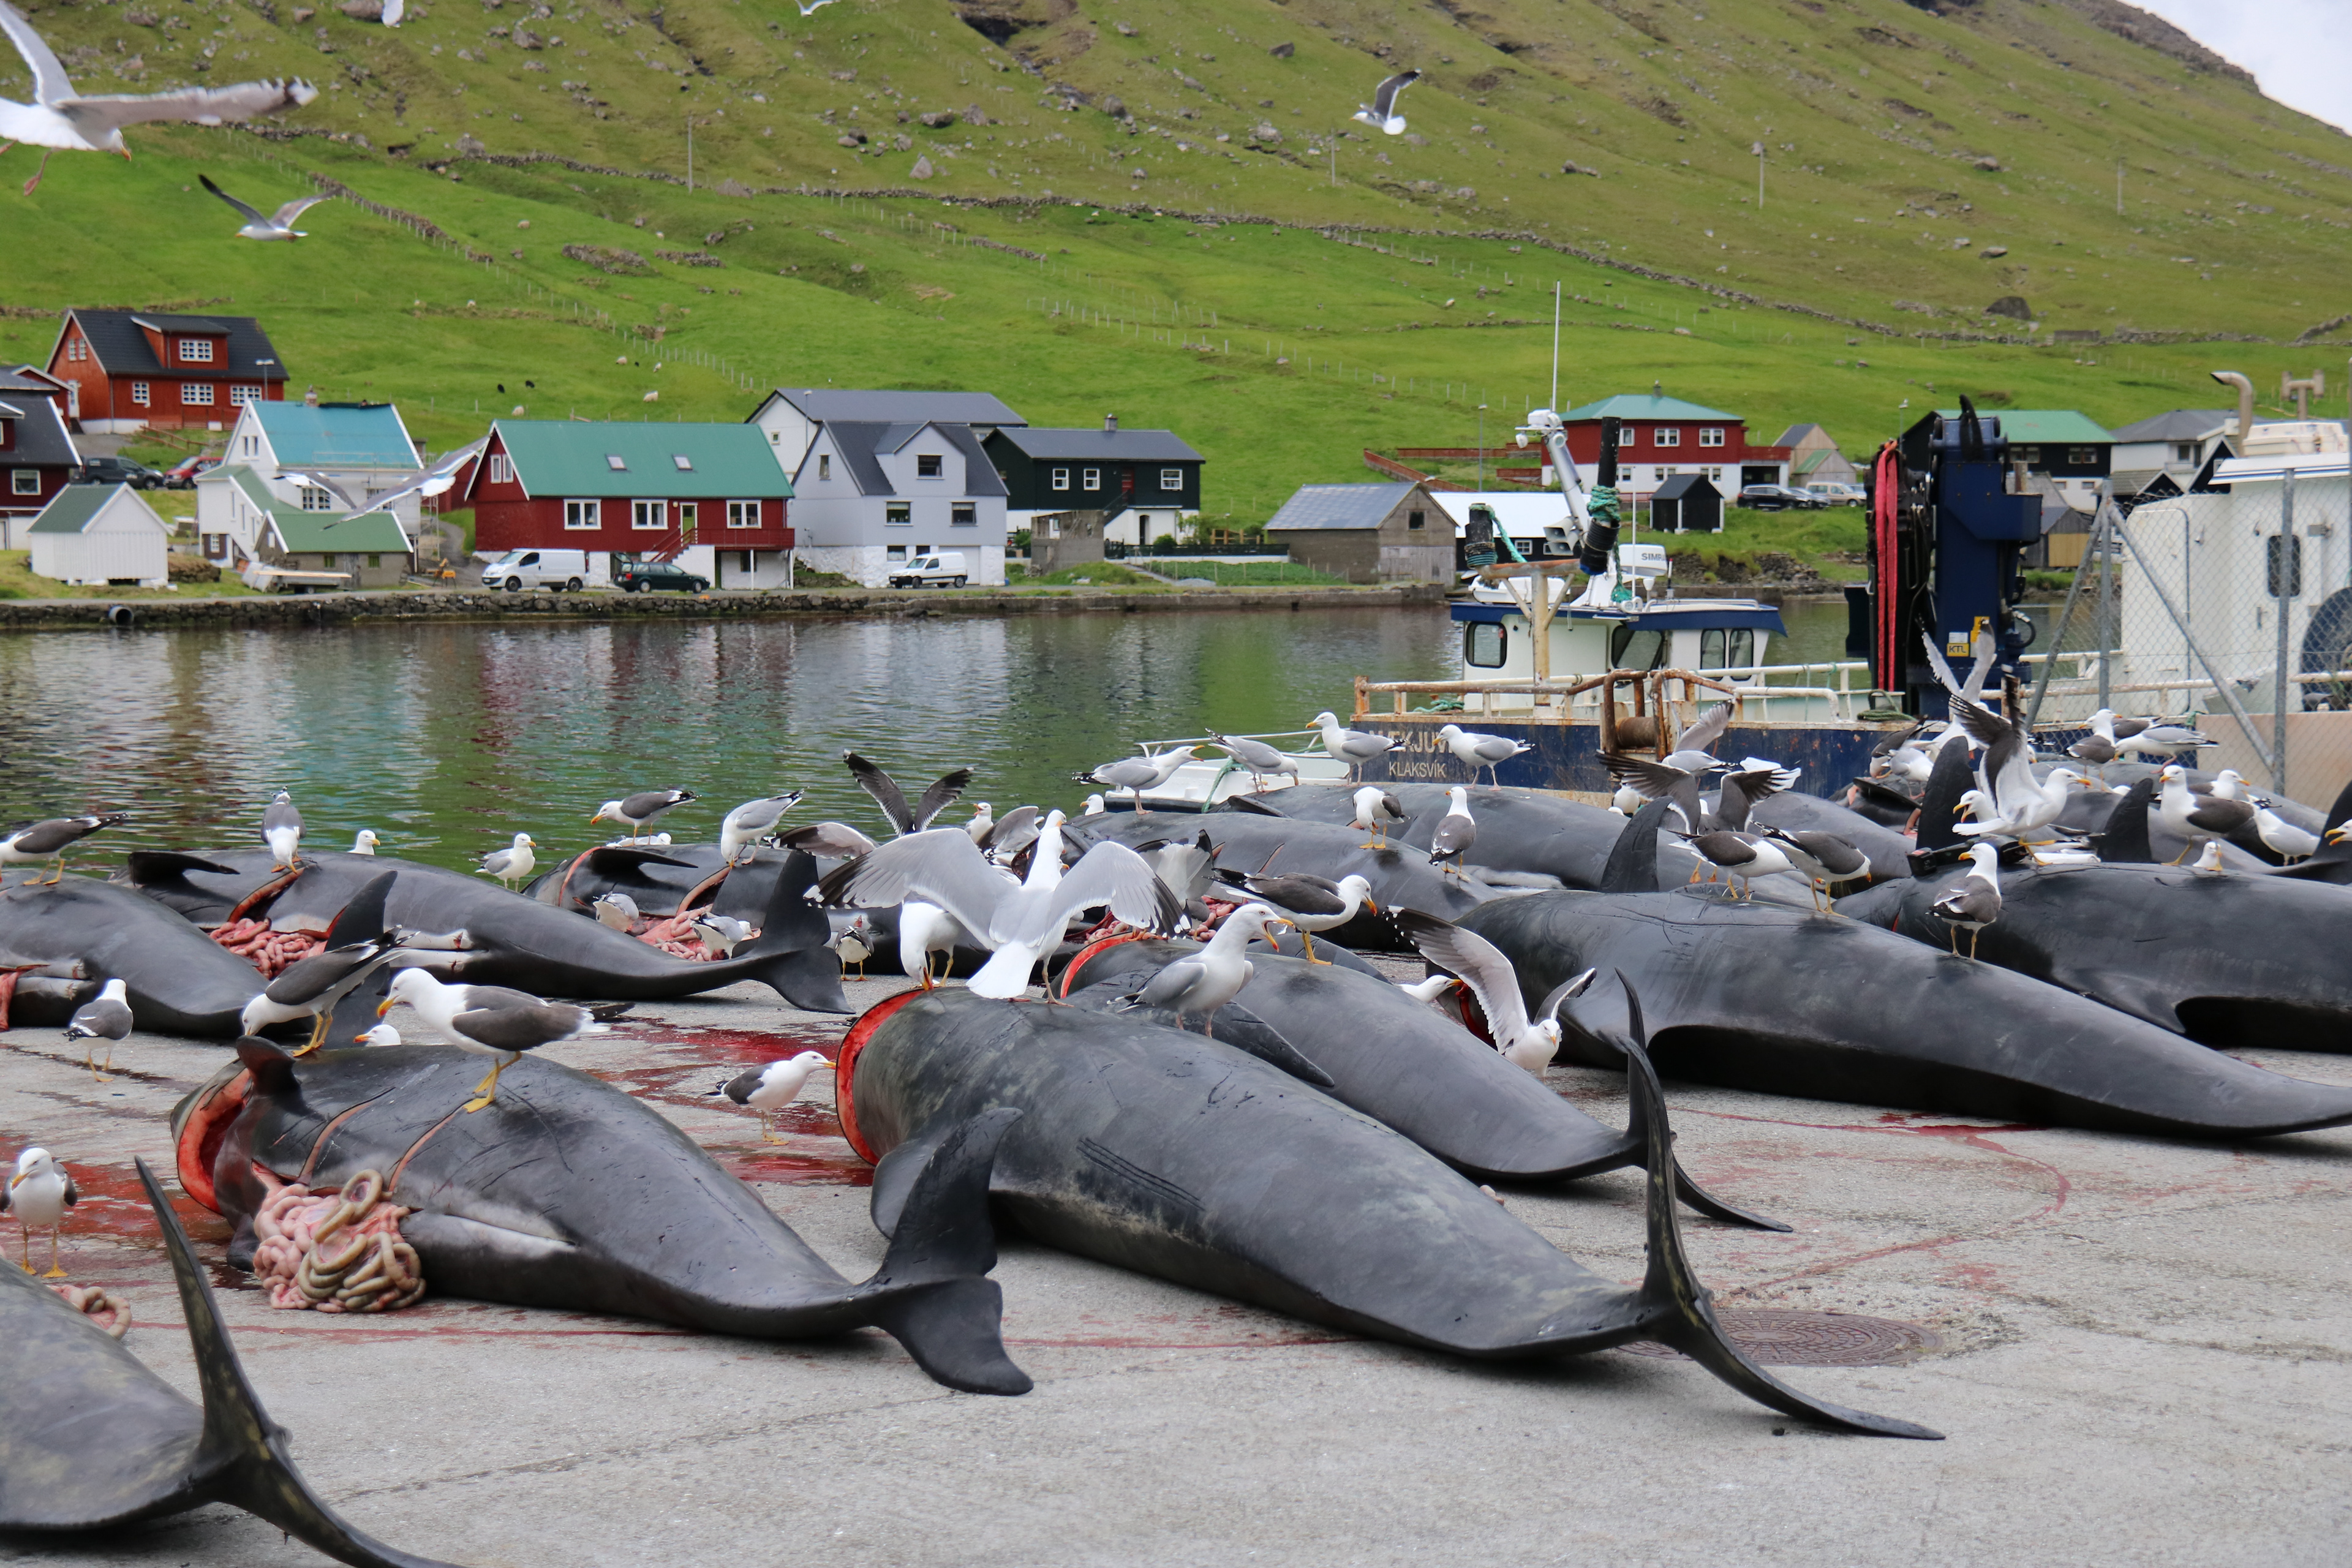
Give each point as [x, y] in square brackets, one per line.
[1633, 865]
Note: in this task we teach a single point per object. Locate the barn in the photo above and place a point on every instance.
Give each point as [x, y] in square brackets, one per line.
[1367, 533]
[100, 536]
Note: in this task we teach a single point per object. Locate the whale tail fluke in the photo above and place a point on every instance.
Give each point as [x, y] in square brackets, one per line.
[1640, 1133]
[1684, 1314]
[932, 1293]
[791, 957]
[243, 1451]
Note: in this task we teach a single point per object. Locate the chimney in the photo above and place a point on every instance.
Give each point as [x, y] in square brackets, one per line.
[1110, 423]
[310, 398]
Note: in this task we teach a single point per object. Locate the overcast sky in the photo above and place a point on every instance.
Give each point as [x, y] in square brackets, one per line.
[2300, 50]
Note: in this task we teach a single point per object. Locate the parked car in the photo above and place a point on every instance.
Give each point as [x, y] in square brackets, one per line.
[1834, 492]
[557, 571]
[944, 568]
[181, 475]
[1773, 497]
[117, 471]
[653, 576]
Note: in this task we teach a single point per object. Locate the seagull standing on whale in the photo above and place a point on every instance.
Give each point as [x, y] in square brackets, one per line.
[310, 988]
[489, 1020]
[1202, 982]
[512, 864]
[281, 829]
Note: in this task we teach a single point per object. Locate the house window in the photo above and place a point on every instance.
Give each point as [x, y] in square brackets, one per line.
[743, 514]
[502, 469]
[375, 561]
[578, 514]
[1061, 479]
[196, 350]
[313, 499]
[139, 392]
[927, 465]
[238, 396]
[196, 393]
[2184, 451]
[1172, 478]
[2028, 454]
[649, 514]
[25, 481]
[2081, 456]
[963, 514]
[898, 511]
[1667, 436]
[1483, 643]
[824, 465]
[895, 553]
[252, 445]
[1712, 473]
[1710, 436]
[1415, 518]
[1090, 479]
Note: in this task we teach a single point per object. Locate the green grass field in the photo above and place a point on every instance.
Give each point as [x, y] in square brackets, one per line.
[1364, 313]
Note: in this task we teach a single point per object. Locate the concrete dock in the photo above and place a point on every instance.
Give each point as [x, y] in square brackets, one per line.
[2139, 1350]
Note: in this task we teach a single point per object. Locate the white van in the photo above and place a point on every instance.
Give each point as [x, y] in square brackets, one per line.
[564, 571]
[944, 567]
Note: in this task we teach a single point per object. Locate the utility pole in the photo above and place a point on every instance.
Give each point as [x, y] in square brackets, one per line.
[1759, 150]
[1482, 446]
[2119, 187]
[690, 152]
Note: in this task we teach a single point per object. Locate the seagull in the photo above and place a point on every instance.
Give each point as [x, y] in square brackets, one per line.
[61, 117]
[434, 481]
[50, 841]
[310, 988]
[849, 941]
[944, 867]
[2209, 863]
[2163, 740]
[1824, 859]
[1093, 806]
[1488, 752]
[887, 795]
[365, 842]
[1693, 750]
[105, 1017]
[381, 1035]
[924, 929]
[773, 1087]
[2197, 820]
[1010, 833]
[1261, 760]
[812, 6]
[826, 841]
[1743, 856]
[279, 225]
[39, 1195]
[1381, 111]
[2228, 784]
[281, 825]
[1311, 903]
[2019, 807]
[2094, 749]
[720, 935]
[1201, 982]
[1188, 869]
[615, 910]
[2105, 723]
[1746, 785]
[751, 821]
[512, 864]
[1428, 991]
[1656, 781]
[1135, 774]
[1457, 830]
[2283, 837]
[1524, 1042]
[1375, 810]
[983, 823]
[1976, 902]
[1353, 747]
[489, 1020]
[642, 810]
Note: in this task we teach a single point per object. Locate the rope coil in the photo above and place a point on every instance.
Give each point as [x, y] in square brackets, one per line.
[338, 1251]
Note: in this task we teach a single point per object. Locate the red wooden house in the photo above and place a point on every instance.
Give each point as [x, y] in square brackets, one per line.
[37, 455]
[130, 369]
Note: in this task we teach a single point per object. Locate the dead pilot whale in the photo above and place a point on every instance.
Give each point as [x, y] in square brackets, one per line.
[90, 1439]
[84, 931]
[568, 1193]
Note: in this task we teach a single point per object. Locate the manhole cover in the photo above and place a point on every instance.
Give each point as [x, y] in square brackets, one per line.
[1776, 1336]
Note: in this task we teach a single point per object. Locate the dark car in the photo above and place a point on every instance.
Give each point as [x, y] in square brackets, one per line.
[118, 472]
[181, 475]
[652, 576]
[1773, 497]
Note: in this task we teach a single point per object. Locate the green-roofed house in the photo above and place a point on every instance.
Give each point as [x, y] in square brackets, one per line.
[710, 497]
[247, 524]
[1661, 438]
[100, 536]
[2072, 450]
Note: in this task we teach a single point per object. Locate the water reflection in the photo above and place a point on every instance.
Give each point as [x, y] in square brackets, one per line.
[448, 738]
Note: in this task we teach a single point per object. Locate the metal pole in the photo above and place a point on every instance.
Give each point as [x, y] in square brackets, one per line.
[2286, 574]
[1554, 405]
[2058, 632]
[2103, 540]
[2220, 683]
[1482, 446]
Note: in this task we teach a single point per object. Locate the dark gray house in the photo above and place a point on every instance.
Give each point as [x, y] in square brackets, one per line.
[1686, 503]
[1367, 533]
[1148, 480]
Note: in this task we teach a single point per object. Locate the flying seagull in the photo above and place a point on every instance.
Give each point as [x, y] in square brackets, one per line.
[279, 225]
[886, 793]
[1381, 110]
[61, 117]
[431, 481]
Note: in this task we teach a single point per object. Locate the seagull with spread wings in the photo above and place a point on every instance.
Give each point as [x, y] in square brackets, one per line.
[1381, 111]
[887, 795]
[279, 225]
[1526, 1042]
[434, 480]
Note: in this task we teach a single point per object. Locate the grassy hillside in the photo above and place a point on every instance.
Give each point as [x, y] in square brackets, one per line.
[1403, 280]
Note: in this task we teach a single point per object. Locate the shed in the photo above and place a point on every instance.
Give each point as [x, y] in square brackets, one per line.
[1687, 503]
[1368, 533]
[1060, 540]
[101, 536]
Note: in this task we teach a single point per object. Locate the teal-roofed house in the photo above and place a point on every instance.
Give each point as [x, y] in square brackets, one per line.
[1662, 438]
[710, 497]
[100, 536]
[360, 449]
[250, 527]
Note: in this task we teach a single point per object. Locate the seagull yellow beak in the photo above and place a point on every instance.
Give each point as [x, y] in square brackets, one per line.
[387, 1006]
[1372, 905]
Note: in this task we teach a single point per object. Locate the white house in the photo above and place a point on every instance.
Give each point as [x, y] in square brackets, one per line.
[868, 497]
[790, 417]
[100, 536]
[1529, 518]
[2176, 444]
[360, 448]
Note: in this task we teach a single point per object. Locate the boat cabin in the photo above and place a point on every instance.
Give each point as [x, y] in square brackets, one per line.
[1726, 638]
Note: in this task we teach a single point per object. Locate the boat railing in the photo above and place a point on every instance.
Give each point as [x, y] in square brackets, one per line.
[1595, 700]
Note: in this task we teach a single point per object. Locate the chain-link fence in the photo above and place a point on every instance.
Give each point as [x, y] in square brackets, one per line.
[2230, 609]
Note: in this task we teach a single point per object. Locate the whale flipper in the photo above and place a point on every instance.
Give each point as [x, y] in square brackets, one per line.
[932, 1293]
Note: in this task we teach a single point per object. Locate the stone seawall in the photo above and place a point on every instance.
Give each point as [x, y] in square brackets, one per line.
[298, 610]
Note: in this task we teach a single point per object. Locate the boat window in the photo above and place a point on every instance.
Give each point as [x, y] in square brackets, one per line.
[1632, 648]
[1710, 648]
[1743, 649]
[1482, 644]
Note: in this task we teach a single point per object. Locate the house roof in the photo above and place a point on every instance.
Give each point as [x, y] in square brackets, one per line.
[335, 435]
[41, 440]
[829, 403]
[2044, 426]
[1682, 485]
[2179, 425]
[564, 457]
[1094, 444]
[1522, 514]
[76, 507]
[1339, 506]
[1642, 406]
[120, 347]
[1797, 435]
[306, 533]
[31, 379]
[861, 443]
[1807, 461]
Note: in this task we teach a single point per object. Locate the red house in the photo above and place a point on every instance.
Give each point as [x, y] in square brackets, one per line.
[37, 455]
[1662, 437]
[130, 369]
[711, 497]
